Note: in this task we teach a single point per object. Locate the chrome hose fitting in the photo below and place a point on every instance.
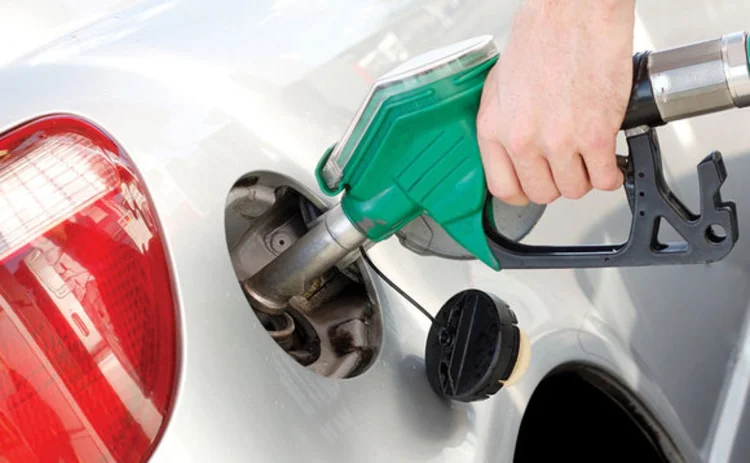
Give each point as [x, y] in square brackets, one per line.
[701, 78]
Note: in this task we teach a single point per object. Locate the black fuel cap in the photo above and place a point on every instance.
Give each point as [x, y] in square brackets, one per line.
[472, 347]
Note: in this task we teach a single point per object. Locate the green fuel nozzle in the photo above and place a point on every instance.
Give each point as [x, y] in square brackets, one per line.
[412, 150]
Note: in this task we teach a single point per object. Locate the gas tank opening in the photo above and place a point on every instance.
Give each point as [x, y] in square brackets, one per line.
[334, 328]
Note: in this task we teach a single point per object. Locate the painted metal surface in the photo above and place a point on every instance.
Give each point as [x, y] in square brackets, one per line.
[200, 95]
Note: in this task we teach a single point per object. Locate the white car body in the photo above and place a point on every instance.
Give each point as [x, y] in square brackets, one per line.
[200, 94]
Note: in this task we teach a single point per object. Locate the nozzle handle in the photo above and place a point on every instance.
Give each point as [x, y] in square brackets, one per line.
[708, 236]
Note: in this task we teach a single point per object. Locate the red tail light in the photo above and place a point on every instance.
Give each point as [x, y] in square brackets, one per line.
[87, 321]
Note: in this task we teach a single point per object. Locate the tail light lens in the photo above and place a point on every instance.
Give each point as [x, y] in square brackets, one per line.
[87, 320]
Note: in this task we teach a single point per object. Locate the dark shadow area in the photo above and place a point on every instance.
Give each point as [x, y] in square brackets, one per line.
[572, 416]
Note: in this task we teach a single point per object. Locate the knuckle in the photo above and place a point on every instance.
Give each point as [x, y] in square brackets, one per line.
[545, 196]
[559, 143]
[608, 179]
[598, 139]
[520, 142]
[502, 189]
[496, 190]
[576, 191]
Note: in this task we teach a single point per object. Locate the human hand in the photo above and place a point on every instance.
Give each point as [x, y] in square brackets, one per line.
[553, 104]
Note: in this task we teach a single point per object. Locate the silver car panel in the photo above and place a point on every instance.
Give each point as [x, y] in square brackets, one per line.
[200, 94]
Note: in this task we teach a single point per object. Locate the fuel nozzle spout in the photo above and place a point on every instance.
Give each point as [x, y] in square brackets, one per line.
[296, 270]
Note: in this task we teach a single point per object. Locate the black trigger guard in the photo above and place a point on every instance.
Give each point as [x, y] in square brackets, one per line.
[651, 201]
